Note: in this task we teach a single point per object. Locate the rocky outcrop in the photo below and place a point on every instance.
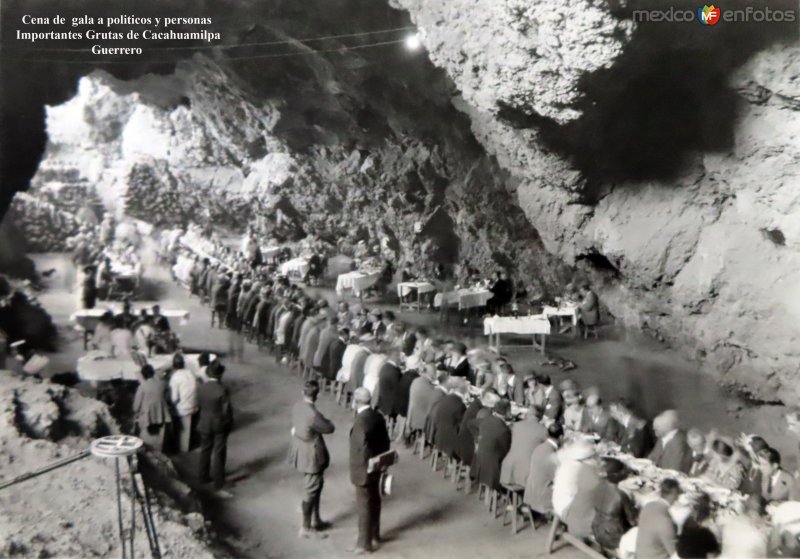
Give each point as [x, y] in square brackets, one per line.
[689, 218]
[347, 152]
[71, 511]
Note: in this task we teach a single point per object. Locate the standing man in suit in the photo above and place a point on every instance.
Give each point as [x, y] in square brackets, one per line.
[214, 425]
[368, 438]
[309, 455]
[657, 533]
[333, 361]
[671, 451]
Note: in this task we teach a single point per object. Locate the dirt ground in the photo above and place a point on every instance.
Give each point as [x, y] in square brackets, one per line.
[425, 517]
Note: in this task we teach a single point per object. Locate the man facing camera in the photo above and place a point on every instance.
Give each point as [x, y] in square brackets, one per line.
[368, 438]
[309, 455]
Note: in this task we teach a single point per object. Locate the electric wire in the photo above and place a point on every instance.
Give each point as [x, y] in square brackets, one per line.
[240, 45]
[238, 57]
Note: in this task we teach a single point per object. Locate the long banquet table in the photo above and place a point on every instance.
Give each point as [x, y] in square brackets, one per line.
[465, 298]
[97, 366]
[87, 319]
[296, 266]
[535, 325]
[270, 252]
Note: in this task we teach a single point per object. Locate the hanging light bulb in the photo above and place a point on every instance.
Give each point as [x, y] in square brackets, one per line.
[413, 42]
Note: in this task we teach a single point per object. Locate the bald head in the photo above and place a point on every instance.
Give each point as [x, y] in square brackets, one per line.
[665, 422]
[361, 397]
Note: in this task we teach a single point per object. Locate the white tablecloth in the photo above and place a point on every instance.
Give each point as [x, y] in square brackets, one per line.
[404, 288]
[356, 281]
[268, 253]
[95, 367]
[125, 270]
[88, 318]
[569, 310]
[296, 266]
[466, 298]
[536, 324]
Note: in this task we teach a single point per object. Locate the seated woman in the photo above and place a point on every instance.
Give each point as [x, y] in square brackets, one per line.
[724, 467]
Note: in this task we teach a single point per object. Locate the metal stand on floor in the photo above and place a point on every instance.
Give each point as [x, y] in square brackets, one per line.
[126, 446]
[116, 447]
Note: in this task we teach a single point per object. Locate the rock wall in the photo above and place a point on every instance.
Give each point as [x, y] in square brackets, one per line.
[675, 187]
[338, 147]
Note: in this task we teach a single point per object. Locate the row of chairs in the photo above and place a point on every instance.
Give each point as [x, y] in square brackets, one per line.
[503, 502]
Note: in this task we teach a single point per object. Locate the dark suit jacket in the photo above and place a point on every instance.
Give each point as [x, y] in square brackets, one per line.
[368, 438]
[388, 384]
[446, 419]
[466, 440]
[378, 329]
[409, 343]
[657, 535]
[403, 396]
[308, 453]
[676, 455]
[326, 337]
[492, 444]
[462, 370]
[214, 408]
[637, 439]
[333, 362]
[553, 404]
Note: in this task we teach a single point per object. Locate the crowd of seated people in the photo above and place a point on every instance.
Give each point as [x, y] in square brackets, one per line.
[426, 388]
[121, 334]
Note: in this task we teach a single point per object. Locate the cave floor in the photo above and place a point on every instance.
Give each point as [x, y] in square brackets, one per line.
[425, 517]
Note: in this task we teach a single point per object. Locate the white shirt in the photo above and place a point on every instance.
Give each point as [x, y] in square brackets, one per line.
[361, 408]
[183, 391]
[372, 370]
[350, 353]
[668, 437]
[742, 537]
[565, 486]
